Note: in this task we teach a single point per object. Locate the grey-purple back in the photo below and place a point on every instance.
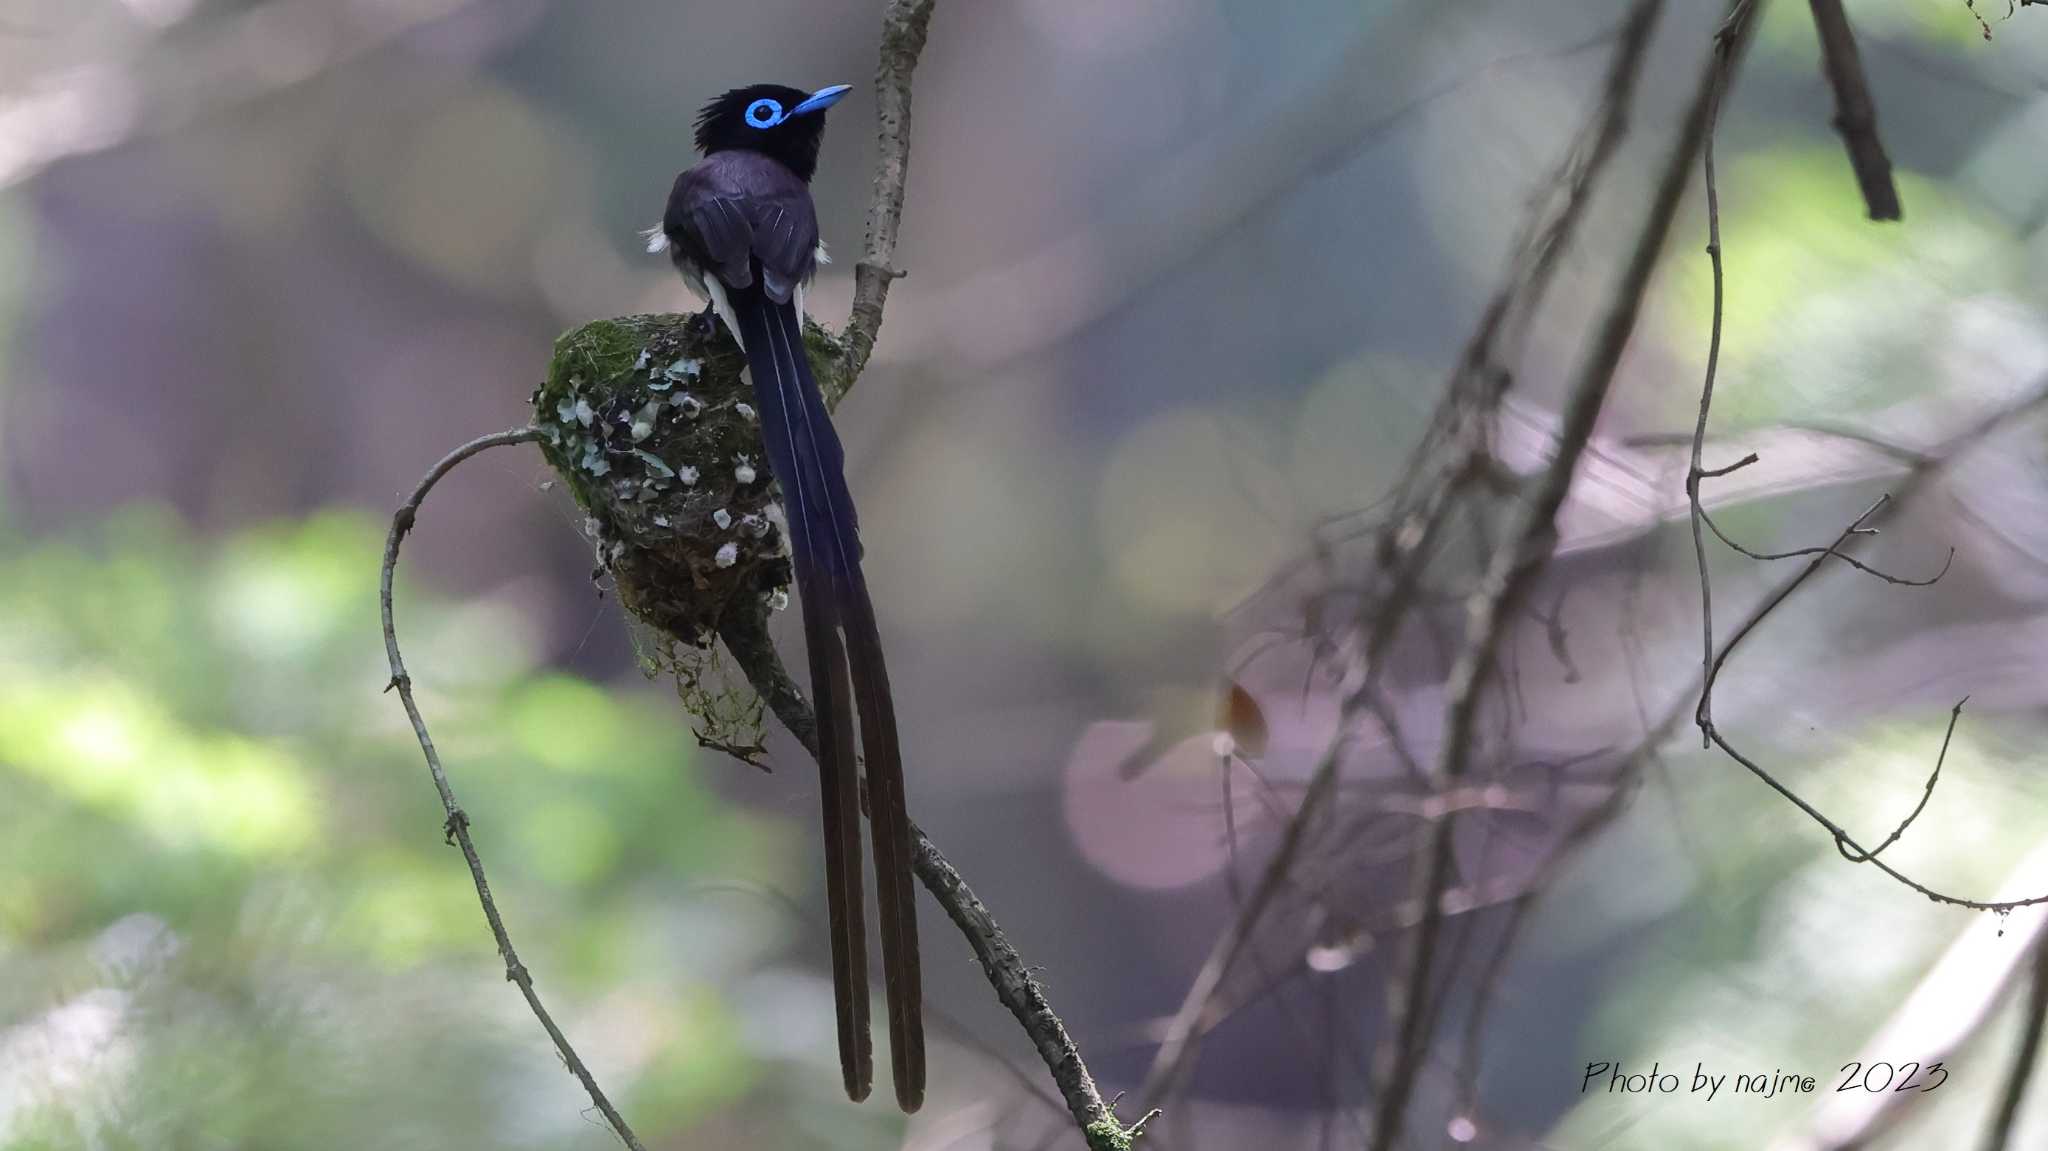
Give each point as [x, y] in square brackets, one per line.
[737, 207]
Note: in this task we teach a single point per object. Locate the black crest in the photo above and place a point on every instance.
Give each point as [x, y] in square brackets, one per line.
[757, 119]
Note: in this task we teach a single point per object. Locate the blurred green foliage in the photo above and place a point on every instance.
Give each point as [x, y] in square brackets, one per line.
[227, 915]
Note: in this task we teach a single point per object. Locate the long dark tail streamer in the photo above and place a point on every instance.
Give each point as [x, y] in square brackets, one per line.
[845, 650]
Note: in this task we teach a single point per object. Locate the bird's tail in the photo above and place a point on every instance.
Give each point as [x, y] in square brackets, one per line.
[806, 458]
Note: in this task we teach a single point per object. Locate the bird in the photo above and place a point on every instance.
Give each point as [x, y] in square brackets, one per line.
[741, 228]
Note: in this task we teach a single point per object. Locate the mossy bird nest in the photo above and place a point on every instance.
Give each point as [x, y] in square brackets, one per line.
[649, 422]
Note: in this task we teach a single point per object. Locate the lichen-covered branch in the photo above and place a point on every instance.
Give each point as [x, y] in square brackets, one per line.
[904, 26]
[746, 638]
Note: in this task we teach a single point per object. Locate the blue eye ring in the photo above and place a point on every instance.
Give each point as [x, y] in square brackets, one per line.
[764, 113]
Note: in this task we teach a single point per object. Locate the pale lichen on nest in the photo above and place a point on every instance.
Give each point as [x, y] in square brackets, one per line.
[649, 422]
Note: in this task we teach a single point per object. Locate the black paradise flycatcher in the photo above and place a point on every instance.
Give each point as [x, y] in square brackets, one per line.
[741, 228]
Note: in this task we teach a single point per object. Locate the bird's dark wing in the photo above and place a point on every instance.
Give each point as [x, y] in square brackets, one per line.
[738, 210]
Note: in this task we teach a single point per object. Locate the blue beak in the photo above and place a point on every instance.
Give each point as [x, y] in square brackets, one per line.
[822, 99]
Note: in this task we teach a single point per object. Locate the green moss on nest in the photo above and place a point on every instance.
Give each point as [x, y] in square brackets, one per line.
[648, 421]
[646, 418]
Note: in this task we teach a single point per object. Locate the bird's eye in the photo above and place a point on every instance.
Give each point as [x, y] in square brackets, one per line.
[764, 113]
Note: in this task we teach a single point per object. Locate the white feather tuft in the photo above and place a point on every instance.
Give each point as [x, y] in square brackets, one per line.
[657, 240]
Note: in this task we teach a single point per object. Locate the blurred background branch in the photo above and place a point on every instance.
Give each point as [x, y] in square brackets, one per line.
[746, 638]
[1998, 1134]
[1727, 46]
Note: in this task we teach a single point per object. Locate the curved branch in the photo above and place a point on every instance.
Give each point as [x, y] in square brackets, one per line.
[1725, 44]
[1512, 570]
[1926, 793]
[1794, 553]
[746, 636]
[1451, 460]
[457, 825]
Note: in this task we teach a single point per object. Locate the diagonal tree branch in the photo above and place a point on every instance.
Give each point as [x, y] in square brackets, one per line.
[457, 825]
[1855, 114]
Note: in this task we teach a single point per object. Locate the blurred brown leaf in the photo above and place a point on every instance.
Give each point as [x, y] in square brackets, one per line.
[1241, 718]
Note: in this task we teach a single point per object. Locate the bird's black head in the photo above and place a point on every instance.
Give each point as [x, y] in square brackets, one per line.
[785, 123]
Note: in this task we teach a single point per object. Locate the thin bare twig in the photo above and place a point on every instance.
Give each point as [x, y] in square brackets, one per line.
[1412, 542]
[1852, 561]
[1730, 469]
[1513, 569]
[1926, 793]
[1855, 115]
[1925, 467]
[1713, 663]
[1723, 63]
[904, 26]
[457, 825]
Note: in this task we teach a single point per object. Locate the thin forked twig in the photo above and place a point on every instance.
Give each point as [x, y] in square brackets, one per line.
[1712, 663]
[746, 638]
[457, 825]
[1924, 468]
[1852, 561]
[1926, 793]
[1725, 42]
